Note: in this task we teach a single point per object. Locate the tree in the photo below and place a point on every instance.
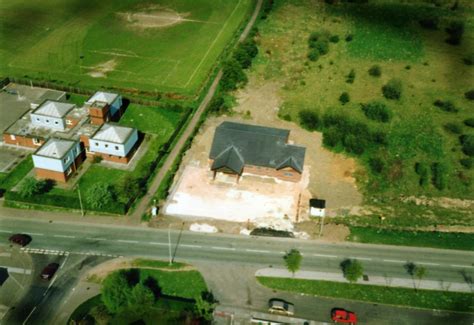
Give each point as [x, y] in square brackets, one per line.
[420, 273]
[141, 299]
[99, 195]
[392, 89]
[30, 186]
[352, 270]
[309, 119]
[205, 305]
[344, 98]
[293, 260]
[415, 271]
[232, 75]
[116, 291]
[375, 71]
[131, 186]
[377, 111]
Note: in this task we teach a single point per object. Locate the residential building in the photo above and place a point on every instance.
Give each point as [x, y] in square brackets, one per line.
[243, 148]
[52, 114]
[112, 142]
[103, 107]
[57, 159]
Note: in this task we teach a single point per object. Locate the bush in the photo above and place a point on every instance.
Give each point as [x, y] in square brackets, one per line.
[30, 186]
[332, 137]
[469, 59]
[469, 94]
[97, 159]
[453, 127]
[377, 111]
[313, 55]
[439, 172]
[344, 98]
[467, 162]
[455, 31]
[446, 106]
[469, 122]
[393, 89]
[232, 75]
[334, 39]
[353, 144]
[467, 142]
[245, 52]
[379, 137]
[351, 76]
[321, 46]
[99, 195]
[266, 8]
[219, 105]
[375, 71]
[349, 37]
[309, 120]
[423, 171]
[431, 23]
[377, 165]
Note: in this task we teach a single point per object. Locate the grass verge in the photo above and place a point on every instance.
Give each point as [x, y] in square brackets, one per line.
[430, 299]
[158, 264]
[435, 239]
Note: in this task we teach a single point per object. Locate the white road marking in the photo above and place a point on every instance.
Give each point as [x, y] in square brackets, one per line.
[394, 261]
[6, 231]
[324, 255]
[128, 241]
[155, 243]
[457, 265]
[223, 248]
[257, 251]
[64, 236]
[427, 263]
[361, 258]
[191, 246]
[31, 313]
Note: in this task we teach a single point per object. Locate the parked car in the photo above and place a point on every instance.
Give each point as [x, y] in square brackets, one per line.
[340, 315]
[282, 307]
[20, 239]
[49, 271]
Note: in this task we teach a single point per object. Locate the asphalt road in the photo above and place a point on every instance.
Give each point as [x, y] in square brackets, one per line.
[442, 265]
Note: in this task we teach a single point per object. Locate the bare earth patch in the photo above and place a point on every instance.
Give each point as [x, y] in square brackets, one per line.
[152, 16]
[101, 70]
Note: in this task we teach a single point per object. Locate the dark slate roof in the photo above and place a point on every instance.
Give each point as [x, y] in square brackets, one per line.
[229, 158]
[256, 145]
[317, 203]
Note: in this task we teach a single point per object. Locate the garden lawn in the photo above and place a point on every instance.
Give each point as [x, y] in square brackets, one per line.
[436, 239]
[9, 180]
[430, 299]
[91, 44]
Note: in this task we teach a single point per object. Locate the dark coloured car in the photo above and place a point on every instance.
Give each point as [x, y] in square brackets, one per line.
[20, 239]
[339, 315]
[49, 271]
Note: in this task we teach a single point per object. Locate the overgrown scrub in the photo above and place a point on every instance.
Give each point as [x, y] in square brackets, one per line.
[439, 173]
[377, 111]
[309, 120]
[469, 94]
[392, 89]
[455, 31]
[375, 71]
[318, 44]
[344, 98]
[351, 76]
[453, 127]
[467, 142]
[423, 171]
[447, 106]
[469, 122]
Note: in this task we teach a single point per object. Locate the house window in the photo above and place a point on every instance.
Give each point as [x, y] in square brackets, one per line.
[12, 136]
[37, 118]
[66, 159]
[97, 144]
[116, 148]
[68, 122]
[106, 145]
[288, 174]
[47, 121]
[36, 141]
[56, 122]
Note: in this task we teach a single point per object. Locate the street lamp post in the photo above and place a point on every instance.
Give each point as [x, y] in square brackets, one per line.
[169, 244]
[80, 200]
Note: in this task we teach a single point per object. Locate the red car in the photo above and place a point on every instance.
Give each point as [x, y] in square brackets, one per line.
[20, 239]
[340, 315]
[49, 271]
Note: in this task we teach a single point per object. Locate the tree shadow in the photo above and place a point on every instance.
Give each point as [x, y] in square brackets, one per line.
[153, 285]
[132, 276]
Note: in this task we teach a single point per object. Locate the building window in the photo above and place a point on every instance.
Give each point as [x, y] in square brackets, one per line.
[56, 122]
[97, 144]
[37, 118]
[12, 136]
[288, 174]
[36, 141]
[106, 145]
[47, 121]
[116, 148]
[68, 122]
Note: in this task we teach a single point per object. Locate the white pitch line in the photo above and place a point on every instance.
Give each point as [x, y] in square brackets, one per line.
[64, 236]
[155, 243]
[191, 246]
[457, 265]
[427, 263]
[128, 241]
[324, 255]
[257, 251]
[361, 258]
[394, 261]
[223, 248]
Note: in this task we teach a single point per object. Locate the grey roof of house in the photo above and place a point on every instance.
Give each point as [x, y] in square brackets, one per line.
[255, 145]
[55, 148]
[113, 133]
[53, 108]
[102, 96]
[231, 159]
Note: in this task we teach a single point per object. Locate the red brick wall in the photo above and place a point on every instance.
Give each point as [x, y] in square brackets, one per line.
[49, 174]
[22, 141]
[285, 174]
[74, 122]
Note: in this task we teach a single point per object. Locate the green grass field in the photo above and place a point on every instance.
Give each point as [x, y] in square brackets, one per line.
[67, 41]
[385, 33]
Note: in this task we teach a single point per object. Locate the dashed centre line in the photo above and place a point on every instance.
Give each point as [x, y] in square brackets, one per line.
[223, 248]
[191, 246]
[427, 263]
[324, 255]
[155, 243]
[394, 261]
[257, 251]
[361, 258]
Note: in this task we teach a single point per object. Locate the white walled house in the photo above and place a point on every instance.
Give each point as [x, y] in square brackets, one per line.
[51, 114]
[114, 143]
[57, 159]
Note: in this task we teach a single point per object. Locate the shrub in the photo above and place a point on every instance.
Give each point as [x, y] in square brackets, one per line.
[287, 117]
[376, 165]
[321, 46]
[431, 23]
[393, 89]
[30, 186]
[467, 142]
[467, 162]
[349, 37]
[99, 195]
[309, 120]
[469, 122]
[423, 171]
[439, 172]
[313, 55]
[334, 39]
[469, 94]
[232, 75]
[266, 8]
[344, 98]
[469, 59]
[375, 71]
[332, 137]
[377, 111]
[354, 144]
[455, 31]
[446, 106]
[453, 127]
[379, 137]
[97, 159]
[351, 76]
[352, 270]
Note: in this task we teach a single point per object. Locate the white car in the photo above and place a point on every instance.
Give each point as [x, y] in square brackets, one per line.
[282, 307]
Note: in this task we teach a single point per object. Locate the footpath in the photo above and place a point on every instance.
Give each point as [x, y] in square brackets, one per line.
[370, 280]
